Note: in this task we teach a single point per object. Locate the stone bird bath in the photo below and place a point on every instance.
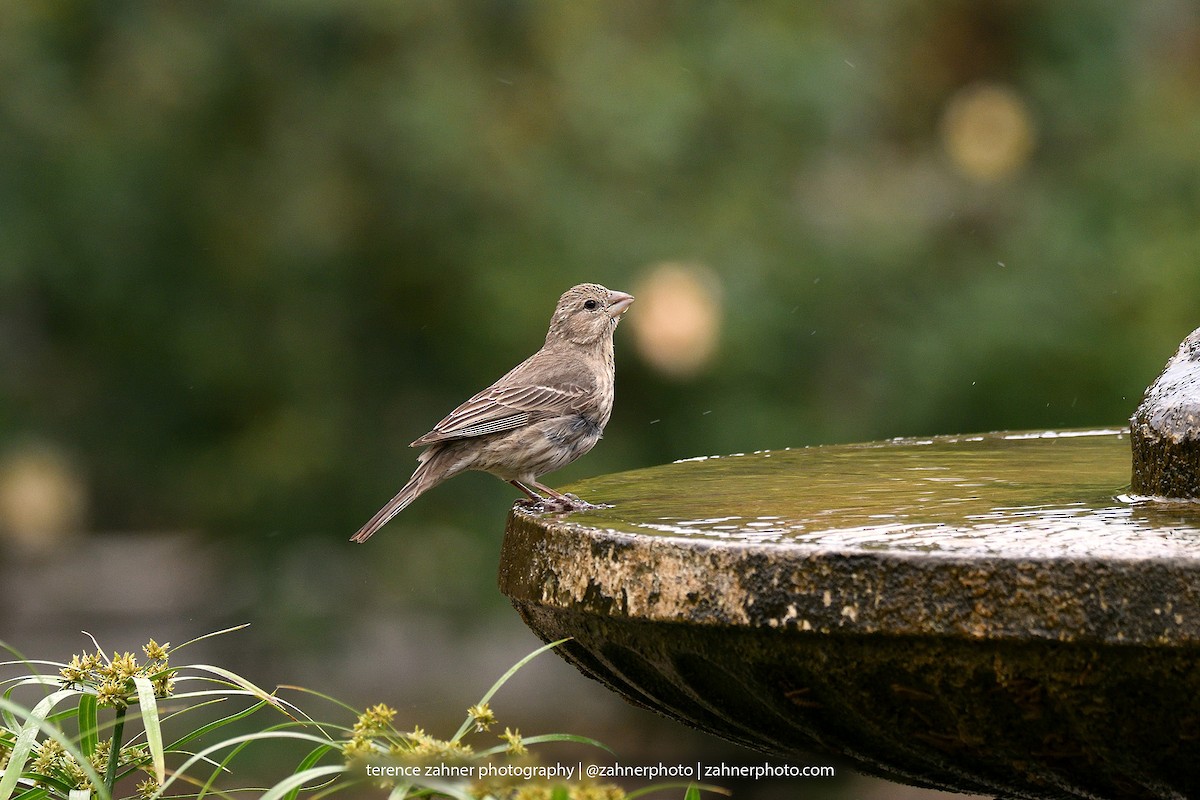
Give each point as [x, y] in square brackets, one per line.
[991, 614]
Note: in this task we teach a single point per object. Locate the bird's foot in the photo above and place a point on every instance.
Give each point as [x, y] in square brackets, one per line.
[570, 502]
[579, 504]
[530, 504]
[558, 505]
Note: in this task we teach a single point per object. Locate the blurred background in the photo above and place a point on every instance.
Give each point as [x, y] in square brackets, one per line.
[250, 250]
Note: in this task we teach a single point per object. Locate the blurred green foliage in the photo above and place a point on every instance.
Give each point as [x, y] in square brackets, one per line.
[249, 250]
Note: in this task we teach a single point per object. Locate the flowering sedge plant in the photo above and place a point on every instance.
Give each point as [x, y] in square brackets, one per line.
[119, 726]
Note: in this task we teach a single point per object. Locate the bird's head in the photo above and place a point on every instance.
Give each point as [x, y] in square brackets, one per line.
[587, 314]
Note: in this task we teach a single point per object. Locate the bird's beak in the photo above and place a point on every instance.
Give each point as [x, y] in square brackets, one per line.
[620, 302]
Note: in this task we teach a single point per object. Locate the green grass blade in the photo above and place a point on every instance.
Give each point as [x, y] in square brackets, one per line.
[10, 720]
[245, 685]
[321, 696]
[309, 762]
[223, 765]
[399, 791]
[692, 790]
[29, 663]
[324, 727]
[53, 786]
[214, 725]
[148, 704]
[437, 788]
[466, 726]
[25, 740]
[57, 787]
[547, 737]
[182, 769]
[221, 632]
[285, 707]
[89, 732]
[293, 783]
[566, 737]
[560, 793]
[236, 680]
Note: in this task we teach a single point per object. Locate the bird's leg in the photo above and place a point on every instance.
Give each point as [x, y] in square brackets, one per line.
[557, 495]
[532, 495]
[534, 501]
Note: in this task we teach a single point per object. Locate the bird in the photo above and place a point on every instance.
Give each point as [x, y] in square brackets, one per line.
[540, 416]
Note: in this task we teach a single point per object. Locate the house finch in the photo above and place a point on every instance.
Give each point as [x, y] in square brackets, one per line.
[545, 413]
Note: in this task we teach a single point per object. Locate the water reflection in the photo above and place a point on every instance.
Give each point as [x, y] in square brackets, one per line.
[1044, 494]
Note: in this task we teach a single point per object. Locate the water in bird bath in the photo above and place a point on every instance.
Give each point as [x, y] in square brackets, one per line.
[1044, 495]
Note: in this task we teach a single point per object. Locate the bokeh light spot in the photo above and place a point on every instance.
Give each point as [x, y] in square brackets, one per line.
[987, 131]
[43, 498]
[677, 323]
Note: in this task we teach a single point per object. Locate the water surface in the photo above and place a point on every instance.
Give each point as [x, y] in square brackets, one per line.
[1044, 494]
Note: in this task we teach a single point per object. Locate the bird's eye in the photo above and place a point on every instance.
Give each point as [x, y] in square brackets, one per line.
[590, 305]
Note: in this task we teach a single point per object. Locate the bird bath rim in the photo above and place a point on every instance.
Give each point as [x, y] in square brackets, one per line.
[602, 562]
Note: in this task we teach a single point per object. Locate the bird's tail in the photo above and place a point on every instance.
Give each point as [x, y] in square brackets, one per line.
[429, 473]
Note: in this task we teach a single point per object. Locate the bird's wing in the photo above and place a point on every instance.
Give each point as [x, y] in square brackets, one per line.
[501, 408]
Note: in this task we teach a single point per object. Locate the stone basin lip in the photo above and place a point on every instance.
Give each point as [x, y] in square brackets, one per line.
[559, 564]
[575, 564]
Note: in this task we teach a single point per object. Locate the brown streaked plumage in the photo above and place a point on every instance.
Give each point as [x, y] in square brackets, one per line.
[546, 412]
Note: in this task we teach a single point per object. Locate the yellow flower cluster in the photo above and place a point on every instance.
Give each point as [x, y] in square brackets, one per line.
[374, 738]
[57, 766]
[600, 791]
[419, 746]
[55, 763]
[483, 717]
[111, 678]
